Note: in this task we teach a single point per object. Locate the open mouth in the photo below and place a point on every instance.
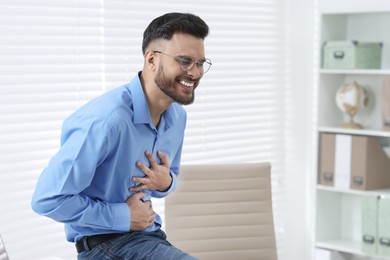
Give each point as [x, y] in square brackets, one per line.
[187, 84]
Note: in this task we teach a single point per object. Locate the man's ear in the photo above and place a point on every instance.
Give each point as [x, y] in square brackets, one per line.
[150, 60]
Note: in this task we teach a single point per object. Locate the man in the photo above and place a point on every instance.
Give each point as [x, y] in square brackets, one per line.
[124, 147]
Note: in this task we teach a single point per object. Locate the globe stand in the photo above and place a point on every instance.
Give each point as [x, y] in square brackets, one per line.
[351, 124]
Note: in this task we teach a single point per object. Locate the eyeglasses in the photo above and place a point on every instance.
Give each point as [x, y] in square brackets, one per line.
[187, 63]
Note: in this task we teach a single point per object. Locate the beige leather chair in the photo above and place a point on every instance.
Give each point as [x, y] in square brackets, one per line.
[223, 212]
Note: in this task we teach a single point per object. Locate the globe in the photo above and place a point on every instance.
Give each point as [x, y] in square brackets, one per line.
[350, 98]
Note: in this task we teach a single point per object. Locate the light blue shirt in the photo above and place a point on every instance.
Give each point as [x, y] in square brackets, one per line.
[86, 184]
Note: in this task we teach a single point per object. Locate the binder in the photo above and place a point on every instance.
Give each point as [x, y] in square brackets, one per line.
[384, 226]
[369, 224]
[342, 171]
[327, 159]
[370, 168]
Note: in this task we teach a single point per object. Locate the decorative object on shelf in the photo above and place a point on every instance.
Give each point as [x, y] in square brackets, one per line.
[350, 98]
[352, 55]
[386, 104]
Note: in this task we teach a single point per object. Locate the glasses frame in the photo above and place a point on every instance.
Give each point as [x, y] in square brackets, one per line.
[183, 60]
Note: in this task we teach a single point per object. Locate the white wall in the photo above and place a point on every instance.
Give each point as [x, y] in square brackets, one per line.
[300, 129]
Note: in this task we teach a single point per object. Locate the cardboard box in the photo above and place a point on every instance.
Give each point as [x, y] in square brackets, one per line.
[352, 55]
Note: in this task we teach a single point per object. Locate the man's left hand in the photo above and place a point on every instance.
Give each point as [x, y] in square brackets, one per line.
[157, 177]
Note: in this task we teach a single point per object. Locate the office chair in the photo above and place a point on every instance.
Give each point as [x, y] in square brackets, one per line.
[223, 212]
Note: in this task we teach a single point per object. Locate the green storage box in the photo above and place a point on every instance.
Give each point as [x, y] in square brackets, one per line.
[352, 55]
[384, 226]
[369, 224]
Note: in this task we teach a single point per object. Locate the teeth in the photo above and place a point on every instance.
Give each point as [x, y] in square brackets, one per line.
[188, 84]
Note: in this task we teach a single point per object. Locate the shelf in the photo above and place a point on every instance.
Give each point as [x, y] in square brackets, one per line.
[354, 192]
[338, 212]
[365, 132]
[346, 246]
[355, 71]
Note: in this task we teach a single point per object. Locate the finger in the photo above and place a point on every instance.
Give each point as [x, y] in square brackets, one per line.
[142, 167]
[153, 163]
[163, 157]
[141, 180]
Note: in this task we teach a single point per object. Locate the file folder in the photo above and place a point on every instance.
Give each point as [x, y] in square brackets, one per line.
[369, 224]
[384, 226]
[327, 159]
[342, 171]
[370, 168]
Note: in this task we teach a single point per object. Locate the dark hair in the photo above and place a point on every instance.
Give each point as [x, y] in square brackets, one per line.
[165, 26]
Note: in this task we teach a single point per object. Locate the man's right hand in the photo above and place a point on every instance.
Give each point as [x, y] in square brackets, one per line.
[141, 213]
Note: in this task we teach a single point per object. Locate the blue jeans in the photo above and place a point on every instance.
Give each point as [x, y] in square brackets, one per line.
[137, 246]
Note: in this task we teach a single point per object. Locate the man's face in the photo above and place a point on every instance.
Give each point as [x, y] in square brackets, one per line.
[177, 84]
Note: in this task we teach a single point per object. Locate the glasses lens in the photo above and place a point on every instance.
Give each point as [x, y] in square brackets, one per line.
[206, 65]
[186, 64]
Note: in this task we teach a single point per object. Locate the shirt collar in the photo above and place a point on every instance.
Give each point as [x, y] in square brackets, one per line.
[141, 107]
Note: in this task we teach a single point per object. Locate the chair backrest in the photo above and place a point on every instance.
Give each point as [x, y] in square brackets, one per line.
[3, 253]
[223, 212]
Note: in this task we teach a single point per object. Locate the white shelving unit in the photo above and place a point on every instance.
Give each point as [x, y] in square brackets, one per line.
[338, 212]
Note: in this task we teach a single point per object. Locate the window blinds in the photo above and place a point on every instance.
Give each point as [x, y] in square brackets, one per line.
[56, 55]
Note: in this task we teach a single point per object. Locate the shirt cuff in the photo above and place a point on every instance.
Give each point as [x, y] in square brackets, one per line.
[122, 217]
[161, 194]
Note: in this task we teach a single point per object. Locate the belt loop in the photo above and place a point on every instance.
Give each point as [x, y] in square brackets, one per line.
[85, 243]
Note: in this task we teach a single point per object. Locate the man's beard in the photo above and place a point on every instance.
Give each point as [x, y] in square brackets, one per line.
[168, 86]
